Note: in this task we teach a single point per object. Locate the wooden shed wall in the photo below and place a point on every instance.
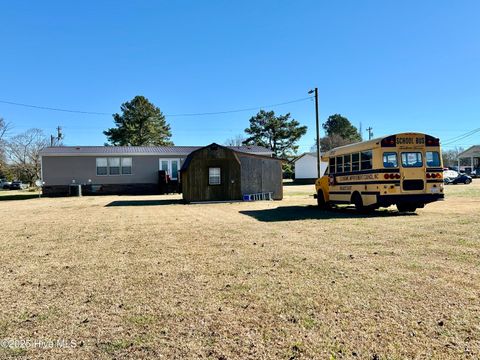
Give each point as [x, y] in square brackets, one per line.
[195, 185]
[260, 174]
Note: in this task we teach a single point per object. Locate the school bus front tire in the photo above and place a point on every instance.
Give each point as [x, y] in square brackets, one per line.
[321, 203]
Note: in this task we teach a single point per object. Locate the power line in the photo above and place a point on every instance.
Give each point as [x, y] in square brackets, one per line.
[168, 115]
[53, 109]
[461, 137]
[240, 110]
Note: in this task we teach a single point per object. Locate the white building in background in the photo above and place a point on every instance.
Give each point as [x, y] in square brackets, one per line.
[306, 167]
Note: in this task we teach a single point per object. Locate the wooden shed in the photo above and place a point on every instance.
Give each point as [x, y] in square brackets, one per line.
[218, 173]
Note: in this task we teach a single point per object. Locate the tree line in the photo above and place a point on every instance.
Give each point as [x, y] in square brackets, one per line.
[20, 153]
[141, 123]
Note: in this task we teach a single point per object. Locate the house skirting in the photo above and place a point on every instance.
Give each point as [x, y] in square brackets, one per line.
[104, 189]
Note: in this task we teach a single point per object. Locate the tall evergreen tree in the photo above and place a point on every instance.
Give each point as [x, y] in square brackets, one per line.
[141, 123]
[278, 133]
[340, 125]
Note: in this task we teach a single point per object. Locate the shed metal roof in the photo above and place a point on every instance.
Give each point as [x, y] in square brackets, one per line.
[139, 150]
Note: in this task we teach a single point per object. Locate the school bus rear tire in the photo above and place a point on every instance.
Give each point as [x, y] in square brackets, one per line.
[358, 202]
[406, 208]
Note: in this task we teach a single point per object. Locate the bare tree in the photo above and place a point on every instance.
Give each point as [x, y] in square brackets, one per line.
[4, 129]
[23, 151]
[235, 141]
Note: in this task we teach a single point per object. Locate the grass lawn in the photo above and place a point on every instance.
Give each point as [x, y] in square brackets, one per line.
[147, 277]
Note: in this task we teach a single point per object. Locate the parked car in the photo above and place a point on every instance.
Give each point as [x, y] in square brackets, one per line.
[4, 184]
[460, 179]
[18, 185]
[450, 174]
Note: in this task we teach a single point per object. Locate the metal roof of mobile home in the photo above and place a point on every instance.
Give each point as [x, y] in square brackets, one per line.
[140, 150]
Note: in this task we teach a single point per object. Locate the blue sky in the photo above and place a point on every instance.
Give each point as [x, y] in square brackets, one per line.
[393, 65]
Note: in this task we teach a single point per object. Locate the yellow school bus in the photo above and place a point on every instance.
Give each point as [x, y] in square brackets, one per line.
[404, 169]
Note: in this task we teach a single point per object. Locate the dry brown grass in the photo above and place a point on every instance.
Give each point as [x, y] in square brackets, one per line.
[150, 278]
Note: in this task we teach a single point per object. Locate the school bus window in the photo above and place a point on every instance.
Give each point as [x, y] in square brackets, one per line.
[355, 162]
[366, 157]
[339, 164]
[433, 158]
[331, 166]
[412, 159]
[346, 163]
[390, 160]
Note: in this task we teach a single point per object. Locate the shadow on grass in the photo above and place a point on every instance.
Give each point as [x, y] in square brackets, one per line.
[18, 197]
[145, 202]
[292, 213]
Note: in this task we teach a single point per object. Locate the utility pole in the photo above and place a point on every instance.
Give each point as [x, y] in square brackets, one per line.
[317, 129]
[370, 133]
[53, 139]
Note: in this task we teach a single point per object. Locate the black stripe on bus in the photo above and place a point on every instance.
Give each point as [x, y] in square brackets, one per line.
[340, 192]
[372, 171]
[367, 183]
[435, 169]
[435, 181]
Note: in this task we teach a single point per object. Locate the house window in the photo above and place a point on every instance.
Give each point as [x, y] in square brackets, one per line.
[126, 166]
[102, 166]
[214, 176]
[114, 166]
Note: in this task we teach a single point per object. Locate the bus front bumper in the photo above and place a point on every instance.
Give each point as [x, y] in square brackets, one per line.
[387, 200]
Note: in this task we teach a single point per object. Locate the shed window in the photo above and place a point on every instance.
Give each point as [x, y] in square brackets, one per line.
[102, 166]
[114, 166]
[214, 176]
[126, 166]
